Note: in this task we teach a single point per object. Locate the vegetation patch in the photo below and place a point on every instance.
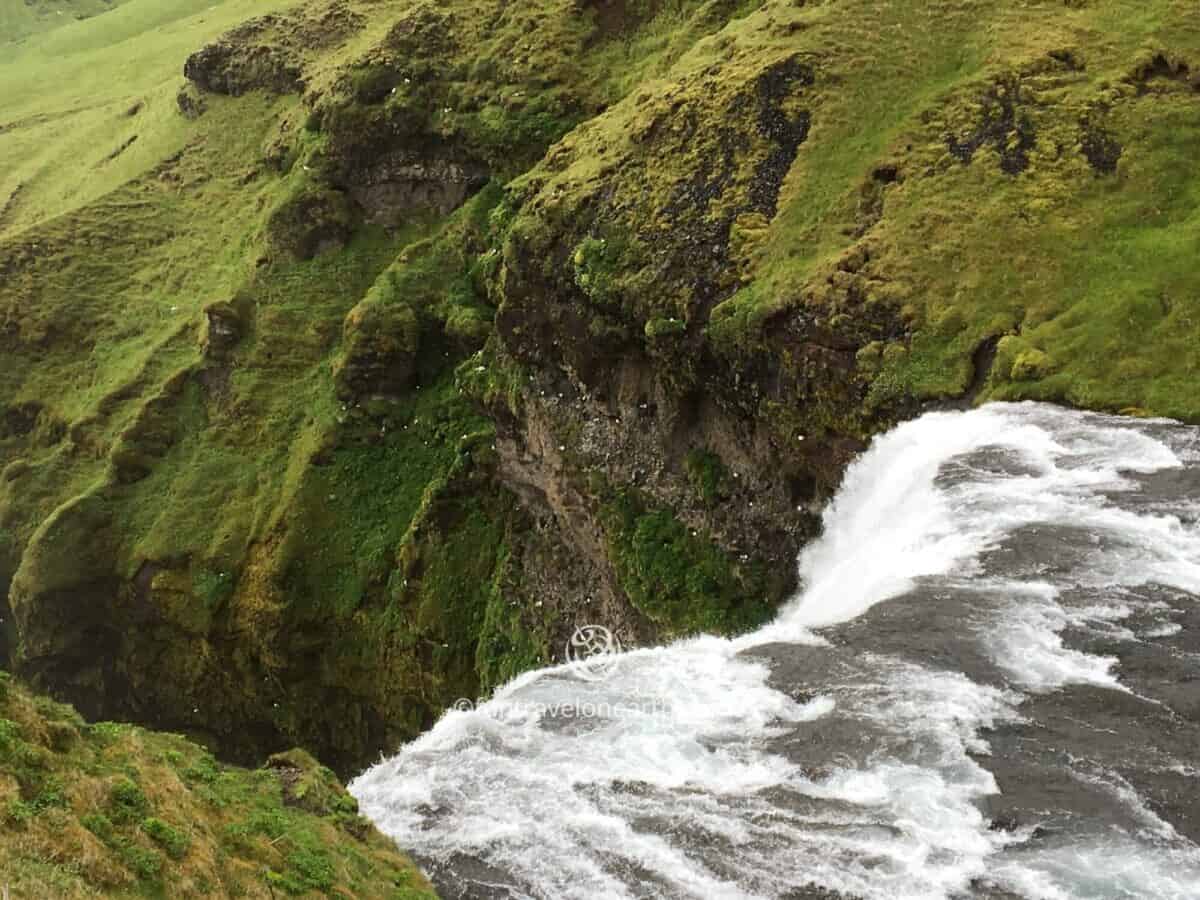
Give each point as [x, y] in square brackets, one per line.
[140, 813]
[677, 576]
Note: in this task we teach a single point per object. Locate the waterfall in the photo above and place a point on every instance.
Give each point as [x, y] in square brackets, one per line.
[981, 690]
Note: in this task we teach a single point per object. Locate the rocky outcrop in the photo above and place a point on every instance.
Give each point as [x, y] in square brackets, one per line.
[268, 53]
[238, 64]
[379, 355]
[314, 221]
[394, 190]
[225, 322]
[191, 102]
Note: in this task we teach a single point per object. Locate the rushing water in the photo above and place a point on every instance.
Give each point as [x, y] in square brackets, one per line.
[989, 686]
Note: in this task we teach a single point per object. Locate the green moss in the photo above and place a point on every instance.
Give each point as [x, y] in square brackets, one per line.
[517, 137]
[708, 475]
[213, 588]
[677, 576]
[598, 264]
[310, 221]
[513, 638]
[1032, 364]
[661, 329]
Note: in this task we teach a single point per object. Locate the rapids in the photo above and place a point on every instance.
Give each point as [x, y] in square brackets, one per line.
[987, 686]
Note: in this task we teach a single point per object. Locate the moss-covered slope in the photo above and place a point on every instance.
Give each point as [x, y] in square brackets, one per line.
[116, 811]
[347, 372]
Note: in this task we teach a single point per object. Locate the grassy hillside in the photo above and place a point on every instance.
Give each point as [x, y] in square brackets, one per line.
[967, 171]
[110, 810]
[347, 373]
[72, 101]
[286, 513]
[22, 18]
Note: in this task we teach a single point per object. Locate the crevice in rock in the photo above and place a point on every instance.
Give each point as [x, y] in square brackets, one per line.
[982, 361]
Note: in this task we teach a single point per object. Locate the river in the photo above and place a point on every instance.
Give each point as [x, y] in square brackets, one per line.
[988, 686]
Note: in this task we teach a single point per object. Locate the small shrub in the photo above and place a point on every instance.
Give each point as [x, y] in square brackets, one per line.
[100, 825]
[18, 813]
[204, 769]
[61, 736]
[10, 737]
[127, 803]
[238, 836]
[313, 867]
[146, 864]
[106, 732]
[174, 841]
[51, 792]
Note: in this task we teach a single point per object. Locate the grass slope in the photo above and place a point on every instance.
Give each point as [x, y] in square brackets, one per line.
[303, 549]
[110, 810]
[1089, 265]
[72, 98]
[22, 18]
[954, 177]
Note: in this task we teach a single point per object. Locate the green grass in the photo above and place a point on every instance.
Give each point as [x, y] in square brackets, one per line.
[19, 20]
[143, 814]
[1089, 265]
[309, 537]
[60, 119]
[678, 577]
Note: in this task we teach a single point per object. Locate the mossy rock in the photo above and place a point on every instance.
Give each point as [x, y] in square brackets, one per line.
[1017, 360]
[309, 785]
[1031, 365]
[315, 221]
[380, 345]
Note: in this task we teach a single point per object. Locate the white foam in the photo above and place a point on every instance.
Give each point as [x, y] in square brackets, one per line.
[1026, 642]
[1168, 629]
[1102, 869]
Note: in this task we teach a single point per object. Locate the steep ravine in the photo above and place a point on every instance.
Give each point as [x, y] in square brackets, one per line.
[407, 337]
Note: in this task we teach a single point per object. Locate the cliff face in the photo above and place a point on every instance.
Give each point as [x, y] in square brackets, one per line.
[346, 376]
